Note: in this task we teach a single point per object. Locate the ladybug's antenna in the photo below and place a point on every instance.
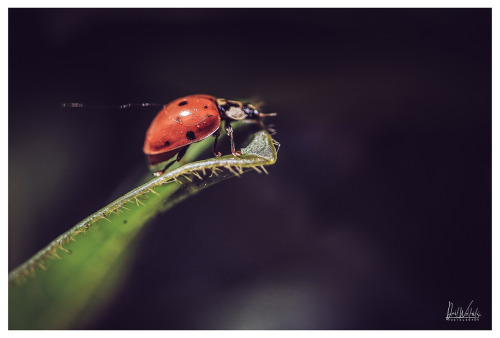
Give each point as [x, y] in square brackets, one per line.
[122, 106]
[268, 114]
[144, 104]
[71, 105]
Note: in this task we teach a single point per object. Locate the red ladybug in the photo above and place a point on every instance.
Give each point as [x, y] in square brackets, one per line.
[191, 119]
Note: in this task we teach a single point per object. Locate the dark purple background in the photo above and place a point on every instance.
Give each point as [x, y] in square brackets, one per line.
[377, 213]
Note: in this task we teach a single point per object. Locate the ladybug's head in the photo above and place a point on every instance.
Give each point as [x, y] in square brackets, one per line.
[236, 110]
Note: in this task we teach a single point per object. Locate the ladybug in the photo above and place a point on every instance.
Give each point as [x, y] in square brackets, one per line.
[191, 119]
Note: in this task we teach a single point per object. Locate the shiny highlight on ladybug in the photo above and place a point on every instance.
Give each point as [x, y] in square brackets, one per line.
[191, 119]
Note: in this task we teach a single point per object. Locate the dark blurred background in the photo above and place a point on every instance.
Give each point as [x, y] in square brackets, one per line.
[377, 213]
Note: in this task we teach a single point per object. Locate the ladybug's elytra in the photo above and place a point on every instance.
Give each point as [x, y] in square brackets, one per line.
[191, 119]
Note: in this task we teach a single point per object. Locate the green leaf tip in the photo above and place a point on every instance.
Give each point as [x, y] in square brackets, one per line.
[65, 282]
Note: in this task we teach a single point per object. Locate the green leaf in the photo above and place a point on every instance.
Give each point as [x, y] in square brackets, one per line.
[66, 283]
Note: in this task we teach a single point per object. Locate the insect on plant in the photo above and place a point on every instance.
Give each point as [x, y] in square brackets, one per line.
[190, 119]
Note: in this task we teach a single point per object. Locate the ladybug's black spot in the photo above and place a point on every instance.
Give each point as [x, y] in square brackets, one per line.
[183, 103]
[190, 135]
[205, 106]
[166, 144]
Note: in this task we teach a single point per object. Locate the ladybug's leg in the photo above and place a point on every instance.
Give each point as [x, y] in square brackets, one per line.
[216, 153]
[229, 131]
[180, 154]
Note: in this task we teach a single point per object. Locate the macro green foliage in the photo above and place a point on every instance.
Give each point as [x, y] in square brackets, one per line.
[66, 283]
